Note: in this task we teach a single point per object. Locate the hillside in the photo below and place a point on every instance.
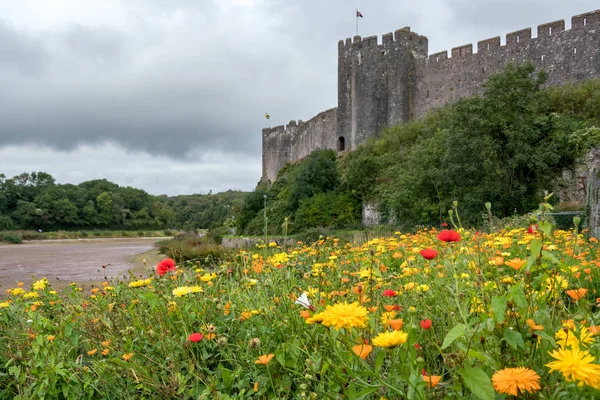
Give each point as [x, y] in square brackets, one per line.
[506, 146]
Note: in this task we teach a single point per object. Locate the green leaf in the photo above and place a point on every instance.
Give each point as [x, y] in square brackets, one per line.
[478, 383]
[546, 227]
[499, 306]
[379, 361]
[517, 295]
[536, 246]
[514, 339]
[453, 334]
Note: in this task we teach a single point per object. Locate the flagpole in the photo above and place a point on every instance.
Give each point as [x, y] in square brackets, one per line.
[356, 16]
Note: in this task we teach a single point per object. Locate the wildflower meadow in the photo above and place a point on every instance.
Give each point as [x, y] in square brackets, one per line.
[440, 313]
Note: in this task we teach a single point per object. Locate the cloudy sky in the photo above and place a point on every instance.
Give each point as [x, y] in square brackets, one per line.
[170, 95]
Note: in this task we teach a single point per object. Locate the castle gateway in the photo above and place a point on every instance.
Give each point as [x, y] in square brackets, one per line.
[393, 82]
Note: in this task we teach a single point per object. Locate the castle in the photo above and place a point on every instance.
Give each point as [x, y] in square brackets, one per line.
[386, 84]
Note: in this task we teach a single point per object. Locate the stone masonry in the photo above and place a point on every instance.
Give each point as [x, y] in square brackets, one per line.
[388, 83]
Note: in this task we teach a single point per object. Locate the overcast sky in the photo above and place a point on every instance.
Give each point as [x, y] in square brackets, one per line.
[170, 95]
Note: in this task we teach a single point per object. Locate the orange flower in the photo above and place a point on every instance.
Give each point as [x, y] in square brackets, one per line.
[515, 263]
[227, 308]
[533, 326]
[358, 289]
[209, 336]
[432, 381]
[577, 294]
[594, 329]
[92, 352]
[264, 359]
[105, 352]
[127, 356]
[255, 387]
[245, 315]
[362, 350]
[345, 280]
[50, 338]
[396, 324]
[305, 314]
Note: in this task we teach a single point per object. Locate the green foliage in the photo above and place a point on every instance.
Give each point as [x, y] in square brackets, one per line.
[317, 174]
[327, 209]
[191, 247]
[35, 201]
[11, 238]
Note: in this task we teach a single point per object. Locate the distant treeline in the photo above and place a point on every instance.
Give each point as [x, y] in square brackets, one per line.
[506, 147]
[35, 201]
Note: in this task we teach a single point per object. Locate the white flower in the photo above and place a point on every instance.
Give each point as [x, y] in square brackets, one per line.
[29, 321]
[303, 301]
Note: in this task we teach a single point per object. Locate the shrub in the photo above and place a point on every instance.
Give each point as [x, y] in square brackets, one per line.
[12, 238]
[191, 247]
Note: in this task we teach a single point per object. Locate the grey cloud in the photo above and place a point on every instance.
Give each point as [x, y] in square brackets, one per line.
[20, 51]
[188, 76]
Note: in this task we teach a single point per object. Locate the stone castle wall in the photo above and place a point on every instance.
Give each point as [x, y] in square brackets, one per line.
[395, 81]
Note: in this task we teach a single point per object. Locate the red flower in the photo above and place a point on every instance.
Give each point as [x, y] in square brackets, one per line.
[166, 265]
[424, 373]
[426, 324]
[449, 236]
[418, 347]
[428, 254]
[389, 293]
[195, 337]
[532, 229]
[444, 224]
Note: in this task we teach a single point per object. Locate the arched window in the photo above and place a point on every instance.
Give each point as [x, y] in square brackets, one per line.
[341, 144]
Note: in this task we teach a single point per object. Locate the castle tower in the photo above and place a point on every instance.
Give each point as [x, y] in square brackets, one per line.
[376, 83]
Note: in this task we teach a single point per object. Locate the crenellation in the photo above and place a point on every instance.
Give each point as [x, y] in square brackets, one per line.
[370, 41]
[376, 91]
[518, 37]
[582, 21]
[551, 28]
[462, 51]
[488, 44]
[441, 56]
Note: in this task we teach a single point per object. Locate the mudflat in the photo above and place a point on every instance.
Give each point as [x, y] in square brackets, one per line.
[65, 261]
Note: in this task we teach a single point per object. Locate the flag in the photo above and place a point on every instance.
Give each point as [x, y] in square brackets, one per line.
[358, 14]
[267, 116]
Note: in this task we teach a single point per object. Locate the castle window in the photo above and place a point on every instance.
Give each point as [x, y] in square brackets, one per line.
[550, 31]
[585, 22]
[518, 39]
[427, 92]
[341, 143]
[542, 58]
[575, 50]
[437, 59]
[483, 70]
[488, 46]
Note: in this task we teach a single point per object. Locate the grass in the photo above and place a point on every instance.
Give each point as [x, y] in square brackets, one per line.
[9, 236]
[481, 306]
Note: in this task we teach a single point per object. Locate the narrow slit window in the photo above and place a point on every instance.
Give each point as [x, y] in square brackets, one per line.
[585, 22]
[488, 46]
[575, 50]
[483, 70]
[437, 59]
[341, 143]
[427, 92]
[518, 39]
[550, 31]
[542, 58]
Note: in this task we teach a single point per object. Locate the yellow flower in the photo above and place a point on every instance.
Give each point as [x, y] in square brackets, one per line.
[208, 277]
[344, 315]
[264, 359]
[390, 339]
[140, 283]
[106, 343]
[50, 338]
[514, 380]
[196, 289]
[568, 338]
[171, 306]
[386, 317]
[16, 291]
[181, 291]
[576, 366]
[4, 304]
[279, 258]
[127, 356]
[40, 285]
[31, 295]
[315, 319]
[273, 244]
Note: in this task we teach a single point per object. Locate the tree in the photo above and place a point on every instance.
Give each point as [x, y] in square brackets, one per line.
[317, 174]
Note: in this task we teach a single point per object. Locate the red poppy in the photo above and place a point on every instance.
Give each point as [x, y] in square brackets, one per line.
[426, 324]
[449, 236]
[418, 347]
[389, 293]
[444, 224]
[195, 337]
[532, 229]
[428, 254]
[166, 265]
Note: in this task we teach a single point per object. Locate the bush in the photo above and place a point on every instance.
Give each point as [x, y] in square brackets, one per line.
[191, 247]
[11, 238]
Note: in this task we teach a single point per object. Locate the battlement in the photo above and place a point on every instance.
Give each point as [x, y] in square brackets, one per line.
[402, 36]
[589, 21]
